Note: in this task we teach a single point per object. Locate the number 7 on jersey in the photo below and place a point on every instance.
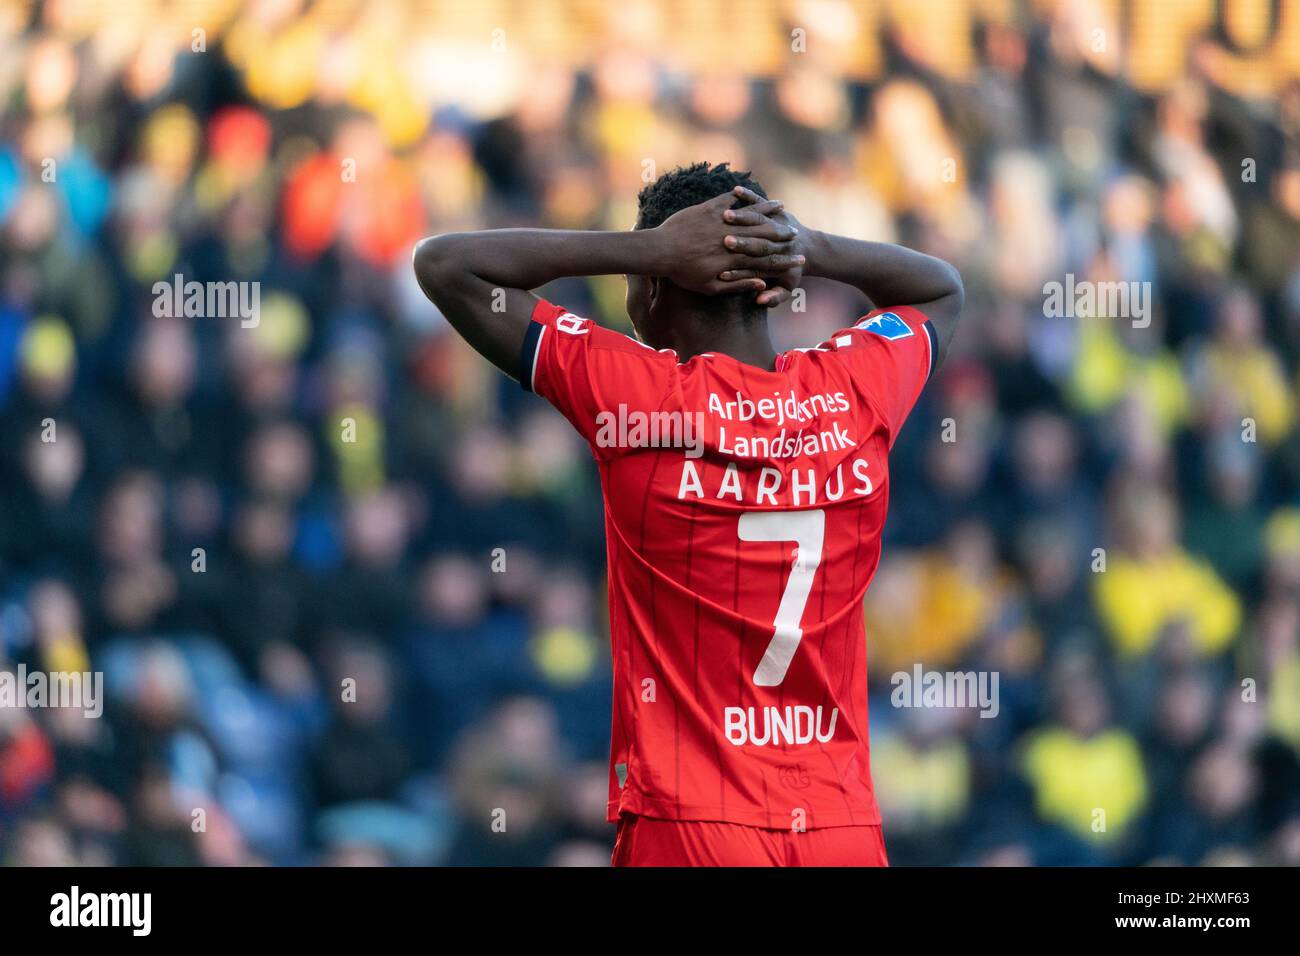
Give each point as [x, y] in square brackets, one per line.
[808, 530]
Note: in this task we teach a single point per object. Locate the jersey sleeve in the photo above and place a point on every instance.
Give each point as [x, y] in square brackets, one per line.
[890, 354]
[590, 373]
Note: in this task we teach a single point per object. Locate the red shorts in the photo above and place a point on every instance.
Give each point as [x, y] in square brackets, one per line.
[646, 841]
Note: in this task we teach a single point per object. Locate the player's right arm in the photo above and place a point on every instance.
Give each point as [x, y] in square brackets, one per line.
[482, 281]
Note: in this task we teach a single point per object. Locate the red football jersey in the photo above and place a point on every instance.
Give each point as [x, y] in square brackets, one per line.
[743, 512]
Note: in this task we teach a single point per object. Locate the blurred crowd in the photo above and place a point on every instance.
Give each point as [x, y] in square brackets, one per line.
[344, 581]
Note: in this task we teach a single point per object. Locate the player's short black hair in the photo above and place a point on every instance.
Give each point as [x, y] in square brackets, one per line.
[688, 186]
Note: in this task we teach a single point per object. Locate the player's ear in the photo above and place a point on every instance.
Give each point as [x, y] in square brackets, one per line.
[656, 290]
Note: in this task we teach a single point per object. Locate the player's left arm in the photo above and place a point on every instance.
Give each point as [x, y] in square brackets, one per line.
[889, 275]
[481, 281]
[893, 275]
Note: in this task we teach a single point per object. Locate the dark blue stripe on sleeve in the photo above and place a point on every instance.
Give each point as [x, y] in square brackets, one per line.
[528, 355]
[934, 347]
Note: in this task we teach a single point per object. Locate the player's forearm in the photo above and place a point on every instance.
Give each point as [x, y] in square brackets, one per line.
[528, 258]
[891, 275]
[481, 281]
[888, 274]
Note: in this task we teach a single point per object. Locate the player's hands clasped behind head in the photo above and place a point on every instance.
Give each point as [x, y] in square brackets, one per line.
[700, 244]
[754, 212]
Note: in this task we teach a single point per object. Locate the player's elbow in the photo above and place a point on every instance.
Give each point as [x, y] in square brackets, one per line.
[953, 287]
[945, 312]
[437, 262]
[948, 303]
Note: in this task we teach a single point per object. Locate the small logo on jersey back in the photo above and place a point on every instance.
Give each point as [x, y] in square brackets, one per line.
[887, 325]
[794, 776]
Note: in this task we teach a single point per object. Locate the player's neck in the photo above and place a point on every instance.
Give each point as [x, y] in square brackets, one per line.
[745, 342]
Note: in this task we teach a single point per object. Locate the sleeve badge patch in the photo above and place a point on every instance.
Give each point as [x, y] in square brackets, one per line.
[887, 325]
